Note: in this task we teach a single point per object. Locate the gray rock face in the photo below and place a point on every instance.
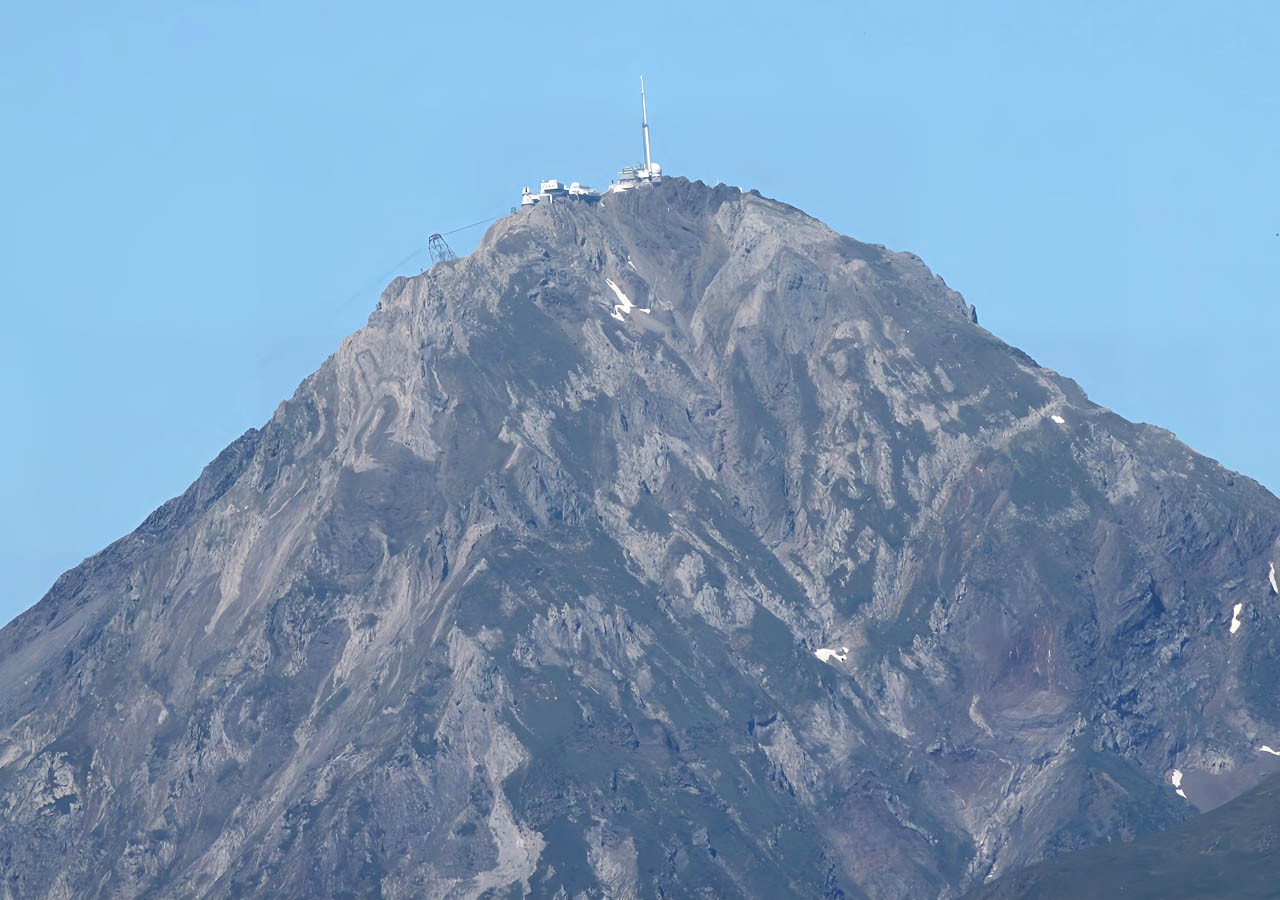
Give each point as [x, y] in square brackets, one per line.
[523, 591]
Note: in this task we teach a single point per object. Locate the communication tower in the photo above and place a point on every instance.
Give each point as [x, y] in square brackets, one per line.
[649, 172]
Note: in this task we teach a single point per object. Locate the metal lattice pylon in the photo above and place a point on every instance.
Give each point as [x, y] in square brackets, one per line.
[440, 249]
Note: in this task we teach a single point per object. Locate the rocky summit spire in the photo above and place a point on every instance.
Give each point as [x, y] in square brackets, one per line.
[670, 543]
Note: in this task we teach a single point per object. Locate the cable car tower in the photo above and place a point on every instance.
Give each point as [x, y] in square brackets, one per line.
[440, 249]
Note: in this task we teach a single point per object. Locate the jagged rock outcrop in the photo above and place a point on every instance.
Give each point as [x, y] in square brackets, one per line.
[522, 591]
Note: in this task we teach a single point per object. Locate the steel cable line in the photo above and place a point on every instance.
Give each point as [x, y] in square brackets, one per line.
[381, 279]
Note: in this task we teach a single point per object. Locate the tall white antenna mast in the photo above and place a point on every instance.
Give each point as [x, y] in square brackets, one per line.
[644, 113]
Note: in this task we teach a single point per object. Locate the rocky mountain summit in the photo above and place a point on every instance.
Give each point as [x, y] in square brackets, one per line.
[799, 583]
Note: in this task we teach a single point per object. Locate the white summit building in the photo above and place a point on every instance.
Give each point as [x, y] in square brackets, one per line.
[649, 172]
[552, 190]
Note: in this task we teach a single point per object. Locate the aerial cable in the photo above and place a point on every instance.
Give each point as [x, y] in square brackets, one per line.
[472, 225]
[382, 279]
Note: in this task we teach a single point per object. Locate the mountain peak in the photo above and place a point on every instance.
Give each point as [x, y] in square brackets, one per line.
[663, 246]
[666, 540]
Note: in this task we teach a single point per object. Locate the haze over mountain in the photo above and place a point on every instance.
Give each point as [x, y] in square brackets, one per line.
[799, 583]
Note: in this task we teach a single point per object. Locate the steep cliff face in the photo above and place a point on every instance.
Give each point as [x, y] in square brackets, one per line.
[800, 582]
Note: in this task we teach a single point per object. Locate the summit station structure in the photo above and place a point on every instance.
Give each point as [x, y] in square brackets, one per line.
[629, 178]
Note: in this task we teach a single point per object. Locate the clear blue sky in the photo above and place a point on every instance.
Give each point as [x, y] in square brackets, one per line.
[201, 199]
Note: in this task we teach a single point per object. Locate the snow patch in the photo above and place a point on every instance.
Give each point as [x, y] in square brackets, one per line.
[1057, 418]
[1235, 618]
[1265, 749]
[826, 654]
[1176, 779]
[1271, 576]
[624, 304]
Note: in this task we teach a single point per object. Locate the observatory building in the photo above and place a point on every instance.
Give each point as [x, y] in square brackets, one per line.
[552, 190]
[648, 172]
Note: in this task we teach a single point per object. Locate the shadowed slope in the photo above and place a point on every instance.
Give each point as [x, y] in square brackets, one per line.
[1229, 852]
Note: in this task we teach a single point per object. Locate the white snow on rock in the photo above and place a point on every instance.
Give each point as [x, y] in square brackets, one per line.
[1271, 576]
[1057, 418]
[1176, 778]
[1235, 618]
[624, 304]
[826, 654]
[1265, 749]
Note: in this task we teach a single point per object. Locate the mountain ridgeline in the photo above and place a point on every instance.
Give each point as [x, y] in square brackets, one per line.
[800, 583]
